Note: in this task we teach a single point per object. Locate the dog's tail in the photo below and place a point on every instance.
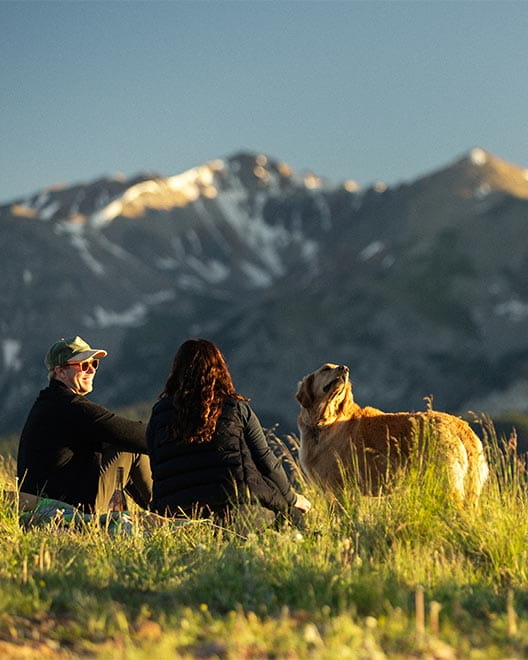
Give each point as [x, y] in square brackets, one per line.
[478, 469]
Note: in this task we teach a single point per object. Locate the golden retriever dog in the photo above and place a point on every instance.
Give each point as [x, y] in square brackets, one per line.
[338, 436]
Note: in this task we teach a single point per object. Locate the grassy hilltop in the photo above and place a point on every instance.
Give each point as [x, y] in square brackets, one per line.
[402, 576]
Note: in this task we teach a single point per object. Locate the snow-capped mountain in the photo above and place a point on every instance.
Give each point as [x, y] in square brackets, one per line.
[419, 288]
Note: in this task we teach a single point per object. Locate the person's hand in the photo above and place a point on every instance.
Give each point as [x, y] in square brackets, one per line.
[302, 503]
[25, 501]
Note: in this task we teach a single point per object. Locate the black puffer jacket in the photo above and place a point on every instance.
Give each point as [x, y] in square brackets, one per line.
[237, 465]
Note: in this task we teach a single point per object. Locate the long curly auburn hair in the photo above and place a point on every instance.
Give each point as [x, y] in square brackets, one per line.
[198, 384]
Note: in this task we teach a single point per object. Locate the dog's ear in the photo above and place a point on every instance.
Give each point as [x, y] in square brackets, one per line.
[305, 394]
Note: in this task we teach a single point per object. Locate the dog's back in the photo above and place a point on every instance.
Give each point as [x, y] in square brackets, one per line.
[375, 445]
[338, 436]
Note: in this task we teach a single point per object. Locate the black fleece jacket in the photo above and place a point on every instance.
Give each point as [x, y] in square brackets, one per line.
[59, 453]
[237, 465]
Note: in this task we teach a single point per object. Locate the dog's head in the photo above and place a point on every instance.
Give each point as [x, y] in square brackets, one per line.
[326, 394]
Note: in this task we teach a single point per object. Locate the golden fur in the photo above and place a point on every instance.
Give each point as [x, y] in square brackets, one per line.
[338, 435]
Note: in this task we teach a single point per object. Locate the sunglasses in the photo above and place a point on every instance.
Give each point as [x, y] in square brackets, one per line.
[84, 366]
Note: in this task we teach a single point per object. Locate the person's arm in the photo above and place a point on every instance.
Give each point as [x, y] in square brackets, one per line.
[108, 427]
[26, 501]
[265, 460]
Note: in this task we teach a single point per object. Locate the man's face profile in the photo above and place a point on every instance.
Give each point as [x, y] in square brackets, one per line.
[77, 376]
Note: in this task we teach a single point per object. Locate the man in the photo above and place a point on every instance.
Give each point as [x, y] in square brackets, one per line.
[70, 448]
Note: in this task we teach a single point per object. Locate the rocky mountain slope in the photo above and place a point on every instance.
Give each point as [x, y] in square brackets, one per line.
[419, 288]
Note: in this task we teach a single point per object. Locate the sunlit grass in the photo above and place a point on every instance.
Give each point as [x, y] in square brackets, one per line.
[342, 583]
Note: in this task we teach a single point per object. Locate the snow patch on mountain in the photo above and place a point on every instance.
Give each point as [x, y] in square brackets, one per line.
[190, 283]
[325, 213]
[40, 200]
[309, 250]
[166, 263]
[68, 228]
[258, 277]
[263, 238]
[132, 317]
[112, 248]
[107, 213]
[371, 250]
[210, 270]
[194, 241]
[175, 191]
[11, 354]
[514, 309]
[160, 297]
[81, 241]
[197, 180]
[478, 156]
[232, 203]
[82, 245]
[212, 226]
[49, 211]
[483, 190]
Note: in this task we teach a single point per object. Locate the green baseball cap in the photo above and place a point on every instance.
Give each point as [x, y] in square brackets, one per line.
[71, 350]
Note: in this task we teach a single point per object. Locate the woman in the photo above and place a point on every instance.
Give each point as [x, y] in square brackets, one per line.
[207, 448]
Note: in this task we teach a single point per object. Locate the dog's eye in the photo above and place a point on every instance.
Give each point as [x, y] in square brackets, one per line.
[331, 384]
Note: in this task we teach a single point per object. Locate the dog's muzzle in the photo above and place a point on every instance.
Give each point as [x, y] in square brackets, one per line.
[342, 377]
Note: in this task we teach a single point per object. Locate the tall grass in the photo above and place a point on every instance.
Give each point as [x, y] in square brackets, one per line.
[405, 574]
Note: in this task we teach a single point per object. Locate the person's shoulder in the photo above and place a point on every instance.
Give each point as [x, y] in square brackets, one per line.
[59, 400]
[56, 392]
[83, 405]
[162, 405]
[161, 410]
[234, 402]
[237, 407]
[56, 388]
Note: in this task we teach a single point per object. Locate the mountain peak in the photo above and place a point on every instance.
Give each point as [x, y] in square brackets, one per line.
[255, 171]
[491, 173]
[478, 156]
[476, 175]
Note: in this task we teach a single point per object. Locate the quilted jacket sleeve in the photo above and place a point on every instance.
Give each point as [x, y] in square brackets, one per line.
[265, 460]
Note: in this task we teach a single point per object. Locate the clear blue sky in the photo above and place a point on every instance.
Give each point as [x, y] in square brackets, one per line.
[363, 90]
